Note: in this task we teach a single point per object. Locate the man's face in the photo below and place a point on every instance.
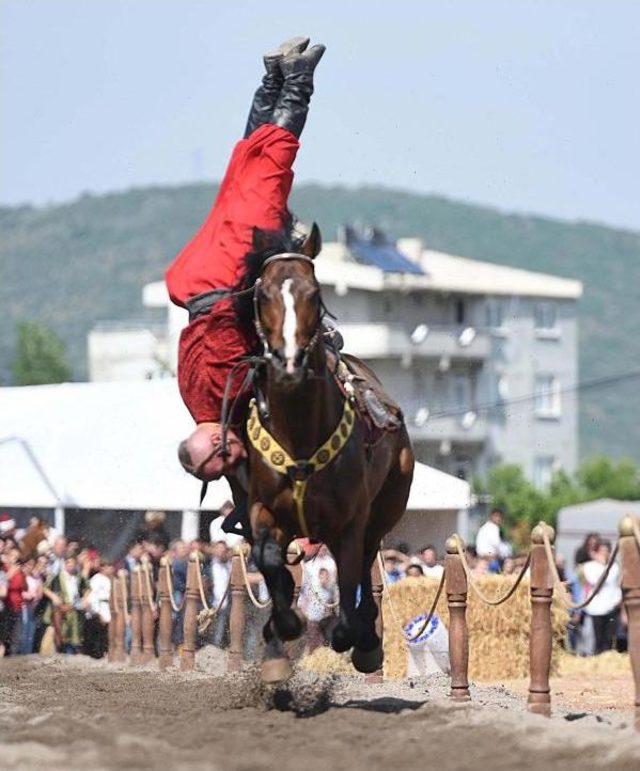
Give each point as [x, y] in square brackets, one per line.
[603, 553]
[181, 550]
[496, 517]
[71, 565]
[60, 547]
[219, 551]
[429, 557]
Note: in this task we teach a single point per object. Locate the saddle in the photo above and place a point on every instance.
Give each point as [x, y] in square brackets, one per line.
[379, 412]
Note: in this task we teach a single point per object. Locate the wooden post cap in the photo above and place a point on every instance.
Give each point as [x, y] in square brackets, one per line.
[452, 542]
[241, 548]
[193, 556]
[122, 573]
[626, 525]
[165, 562]
[537, 534]
[136, 569]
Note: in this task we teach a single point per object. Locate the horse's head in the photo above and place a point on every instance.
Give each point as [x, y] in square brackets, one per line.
[288, 311]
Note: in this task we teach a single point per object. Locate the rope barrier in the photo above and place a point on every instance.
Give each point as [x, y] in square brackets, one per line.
[430, 614]
[558, 583]
[175, 608]
[125, 598]
[208, 613]
[147, 579]
[472, 582]
[245, 576]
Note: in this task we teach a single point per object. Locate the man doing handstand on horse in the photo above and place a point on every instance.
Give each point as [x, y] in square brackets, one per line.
[253, 196]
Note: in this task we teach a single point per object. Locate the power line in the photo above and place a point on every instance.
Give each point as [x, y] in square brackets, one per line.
[587, 385]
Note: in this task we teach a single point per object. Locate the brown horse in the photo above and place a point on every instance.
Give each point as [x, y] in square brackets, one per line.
[312, 471]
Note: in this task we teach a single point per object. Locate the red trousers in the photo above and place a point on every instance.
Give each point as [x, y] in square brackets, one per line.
[253, 193]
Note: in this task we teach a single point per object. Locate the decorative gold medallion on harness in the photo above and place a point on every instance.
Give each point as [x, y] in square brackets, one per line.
[298, 471]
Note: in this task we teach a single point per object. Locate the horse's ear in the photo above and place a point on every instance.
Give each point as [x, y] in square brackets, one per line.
[260, 240]
[312, 243]
[265, 240]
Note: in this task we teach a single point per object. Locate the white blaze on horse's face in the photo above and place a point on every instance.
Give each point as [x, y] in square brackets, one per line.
[289, 326]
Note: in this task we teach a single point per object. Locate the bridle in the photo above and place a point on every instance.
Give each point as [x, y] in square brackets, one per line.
[267, 353]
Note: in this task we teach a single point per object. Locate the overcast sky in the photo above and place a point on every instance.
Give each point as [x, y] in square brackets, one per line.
[530, 106]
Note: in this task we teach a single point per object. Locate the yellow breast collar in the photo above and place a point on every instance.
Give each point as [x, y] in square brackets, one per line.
[298, 471]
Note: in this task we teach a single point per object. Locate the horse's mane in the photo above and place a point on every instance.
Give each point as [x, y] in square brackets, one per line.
[266, 243]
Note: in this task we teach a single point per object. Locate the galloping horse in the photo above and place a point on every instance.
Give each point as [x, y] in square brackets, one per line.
[313, 470]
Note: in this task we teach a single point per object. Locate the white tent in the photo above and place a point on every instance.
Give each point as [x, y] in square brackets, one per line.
[113, 446]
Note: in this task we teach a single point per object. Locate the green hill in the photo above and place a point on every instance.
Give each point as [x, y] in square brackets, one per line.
[77, 263]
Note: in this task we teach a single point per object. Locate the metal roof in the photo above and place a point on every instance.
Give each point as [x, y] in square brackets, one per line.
[114, 446]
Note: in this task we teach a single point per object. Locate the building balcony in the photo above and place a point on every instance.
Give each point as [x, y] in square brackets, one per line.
[459, 429]
[378, 341]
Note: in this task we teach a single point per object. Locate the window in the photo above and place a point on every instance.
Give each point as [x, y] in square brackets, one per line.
[545, 318]
[460, 391]
[496, 314]
[543, 467]
[547, 396]
[460, 311]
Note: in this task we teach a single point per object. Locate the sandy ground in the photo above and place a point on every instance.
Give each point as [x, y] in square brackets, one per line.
[79, 714]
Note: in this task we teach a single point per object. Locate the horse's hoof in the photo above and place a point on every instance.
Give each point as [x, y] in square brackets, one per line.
[341, 639]
[367, 661]
[289, 625]
[275, 670]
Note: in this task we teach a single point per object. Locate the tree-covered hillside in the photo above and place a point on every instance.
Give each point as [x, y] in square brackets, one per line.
[74, 264]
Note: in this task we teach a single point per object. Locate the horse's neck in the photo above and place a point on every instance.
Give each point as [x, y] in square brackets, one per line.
[302, 418]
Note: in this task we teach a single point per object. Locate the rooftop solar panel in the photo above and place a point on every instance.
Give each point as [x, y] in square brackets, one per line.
[381, 255]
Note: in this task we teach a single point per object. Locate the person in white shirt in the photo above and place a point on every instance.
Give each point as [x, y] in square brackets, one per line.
[603, 608]
[98, 617]
[489, 543]
[220, 577]
[429, 559]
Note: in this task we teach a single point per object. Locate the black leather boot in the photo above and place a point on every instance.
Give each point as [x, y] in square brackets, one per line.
[293, 104]
[265, 98]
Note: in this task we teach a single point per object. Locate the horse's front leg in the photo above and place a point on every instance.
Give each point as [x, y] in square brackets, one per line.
[269, 552]
[347, 552]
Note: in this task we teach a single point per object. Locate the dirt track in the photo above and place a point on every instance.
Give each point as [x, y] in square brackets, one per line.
[80, 714]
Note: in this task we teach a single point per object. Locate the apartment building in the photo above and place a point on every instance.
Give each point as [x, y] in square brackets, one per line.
[482, 357]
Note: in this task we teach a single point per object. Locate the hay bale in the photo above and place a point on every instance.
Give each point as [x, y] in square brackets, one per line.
[607, 663]
[325, 661]
[498, 636]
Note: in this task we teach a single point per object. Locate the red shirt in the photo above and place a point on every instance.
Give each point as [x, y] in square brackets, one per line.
[15, 586]
[253, 193]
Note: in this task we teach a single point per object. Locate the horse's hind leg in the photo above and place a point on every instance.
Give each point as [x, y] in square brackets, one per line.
[386, 510]
[367, 652]
[348, 555]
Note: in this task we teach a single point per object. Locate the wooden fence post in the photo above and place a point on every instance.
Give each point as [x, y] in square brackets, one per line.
[120, 602]
[630, 558]
[237, 618]
[165, 623]
[135, 654]
[540, 639]
[191, 604]
[148, 620]
[457, 589]
[376, 589]
[111, 654]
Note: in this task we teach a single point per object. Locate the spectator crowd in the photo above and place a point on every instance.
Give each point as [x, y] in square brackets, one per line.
[54, 591]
